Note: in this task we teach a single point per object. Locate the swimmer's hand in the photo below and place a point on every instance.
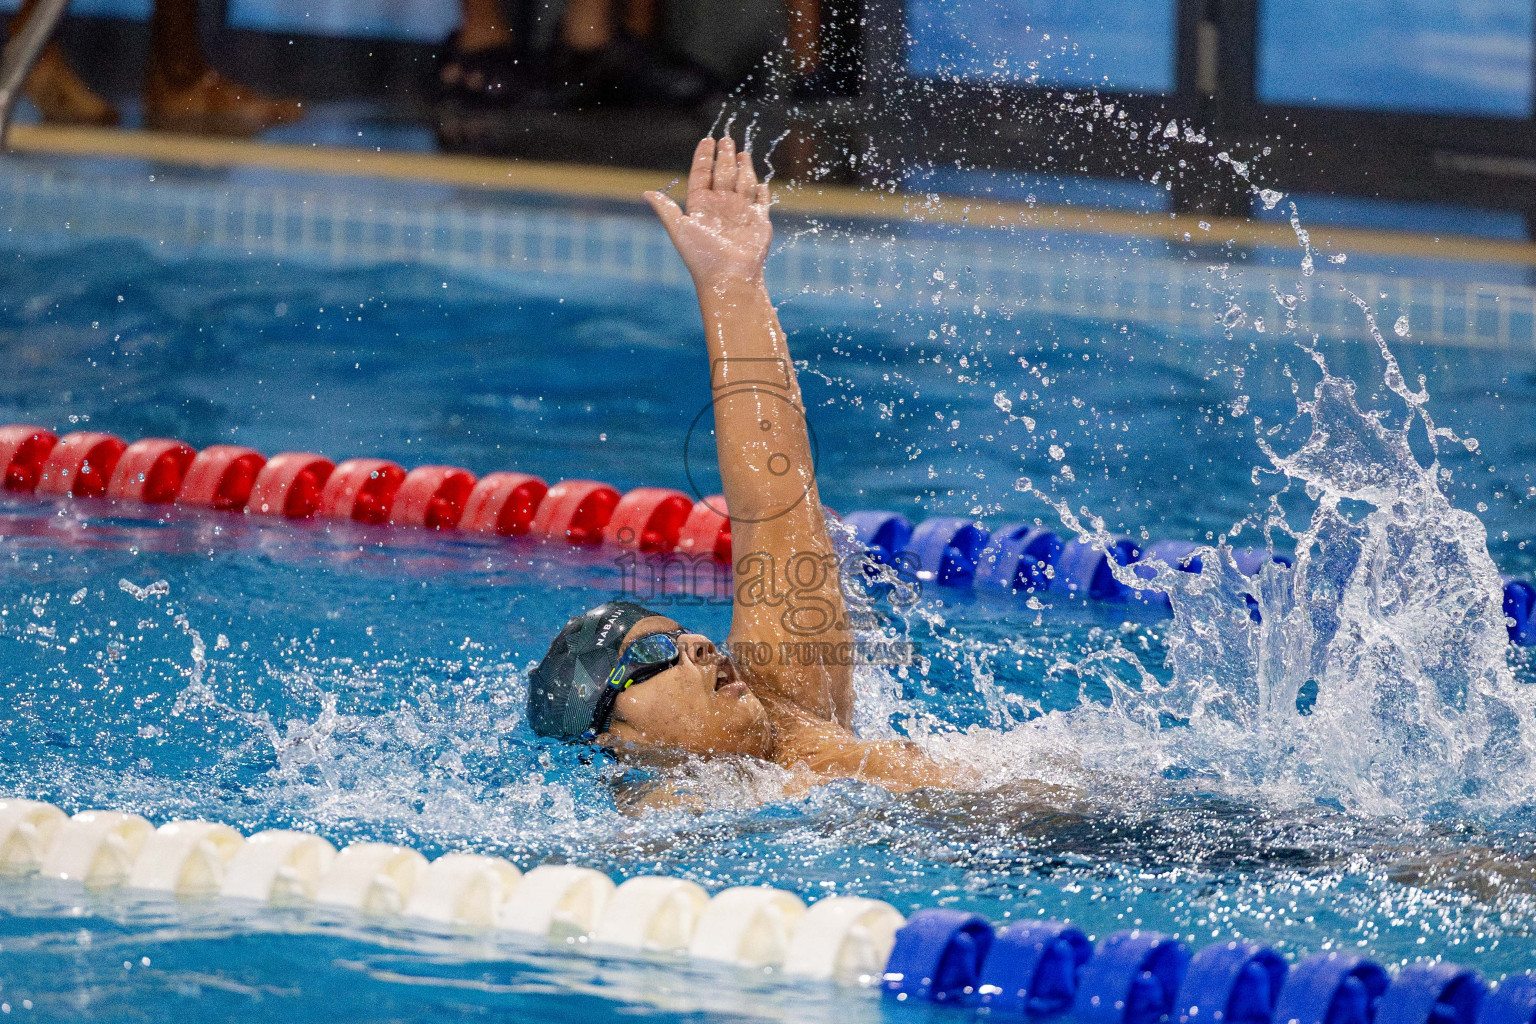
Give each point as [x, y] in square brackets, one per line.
[724, 235]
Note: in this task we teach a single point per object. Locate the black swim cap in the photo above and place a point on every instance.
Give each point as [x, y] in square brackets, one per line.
[564, 688]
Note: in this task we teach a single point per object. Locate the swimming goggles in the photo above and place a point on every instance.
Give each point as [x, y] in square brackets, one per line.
[646, 656]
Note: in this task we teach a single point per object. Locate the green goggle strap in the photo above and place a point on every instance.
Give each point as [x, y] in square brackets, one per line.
[624, 675]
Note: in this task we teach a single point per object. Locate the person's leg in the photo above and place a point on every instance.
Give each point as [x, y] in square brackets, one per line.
[609, 60]
[804, 31]
[483, 26]
[824, 43]
[175, 48]
[640, 18]
[587, 25]
[479, 67]
[183, 93]
[54, 88]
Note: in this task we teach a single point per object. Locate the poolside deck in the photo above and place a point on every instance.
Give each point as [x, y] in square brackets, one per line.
[615, 184]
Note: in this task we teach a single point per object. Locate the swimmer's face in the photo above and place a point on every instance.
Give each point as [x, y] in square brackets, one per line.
[699, 705]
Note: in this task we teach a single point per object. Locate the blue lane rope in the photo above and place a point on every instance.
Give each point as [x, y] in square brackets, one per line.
[1332, 988]
[1018, 558]
[1131, 978]
[1041, 970]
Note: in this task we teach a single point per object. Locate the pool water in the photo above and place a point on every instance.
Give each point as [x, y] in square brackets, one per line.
[369, 685]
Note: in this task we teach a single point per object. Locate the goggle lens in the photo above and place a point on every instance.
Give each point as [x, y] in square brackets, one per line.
[645, 657]
[654, 649]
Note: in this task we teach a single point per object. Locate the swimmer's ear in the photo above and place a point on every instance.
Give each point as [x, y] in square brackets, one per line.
[669, 212]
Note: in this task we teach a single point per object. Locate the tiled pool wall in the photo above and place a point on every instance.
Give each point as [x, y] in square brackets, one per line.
[1119, 280]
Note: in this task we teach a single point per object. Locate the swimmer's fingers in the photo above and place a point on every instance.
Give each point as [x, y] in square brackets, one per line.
[667, 210]
[746, 177]
[725, 165]
[701, 173]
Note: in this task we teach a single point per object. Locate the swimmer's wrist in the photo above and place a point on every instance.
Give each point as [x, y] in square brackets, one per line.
[721, 292]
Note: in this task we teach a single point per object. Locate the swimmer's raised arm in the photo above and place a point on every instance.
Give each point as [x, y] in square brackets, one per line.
[642, 684]
[787, 587]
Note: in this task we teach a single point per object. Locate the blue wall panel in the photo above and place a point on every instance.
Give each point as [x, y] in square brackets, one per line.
[422, 20]
[1432, 56]
[1117, 44]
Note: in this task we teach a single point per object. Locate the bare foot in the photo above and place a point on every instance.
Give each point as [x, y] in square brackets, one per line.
[60, 95]
[213, 105]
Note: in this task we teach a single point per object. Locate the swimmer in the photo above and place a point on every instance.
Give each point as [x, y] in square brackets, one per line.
[634, 681]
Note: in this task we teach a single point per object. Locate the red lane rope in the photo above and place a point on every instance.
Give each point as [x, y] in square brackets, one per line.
[303, 485]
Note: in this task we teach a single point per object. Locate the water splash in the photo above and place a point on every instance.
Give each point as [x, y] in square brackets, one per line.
[1391, 614]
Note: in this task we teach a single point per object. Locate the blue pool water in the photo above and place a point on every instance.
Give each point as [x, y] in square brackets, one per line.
[369, 685]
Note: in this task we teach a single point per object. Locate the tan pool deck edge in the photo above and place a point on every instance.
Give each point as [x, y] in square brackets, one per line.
[576, 181]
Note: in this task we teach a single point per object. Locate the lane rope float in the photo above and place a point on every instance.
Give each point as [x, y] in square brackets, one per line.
[1034, 970]
[946, 551]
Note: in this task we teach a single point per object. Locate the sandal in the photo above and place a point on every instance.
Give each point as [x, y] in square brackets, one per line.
[629, 72]
[481, 78]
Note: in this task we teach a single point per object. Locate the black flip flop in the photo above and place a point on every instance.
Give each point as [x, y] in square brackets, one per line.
[481, 78]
